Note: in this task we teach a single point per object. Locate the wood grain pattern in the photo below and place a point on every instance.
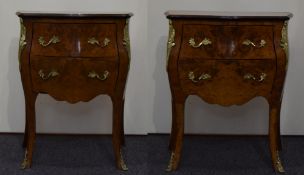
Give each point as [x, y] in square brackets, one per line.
[74, 40]
[227, 85]
[236, 73]
[227, 42]
[73, 84]
[73, 59]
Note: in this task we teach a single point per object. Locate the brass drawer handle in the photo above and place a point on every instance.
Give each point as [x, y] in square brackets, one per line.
[104, 76]
[260, 78]
[94, 41]
[204, 76]
[53, 40]
[205, 42]
[250, 43]
[53, 73]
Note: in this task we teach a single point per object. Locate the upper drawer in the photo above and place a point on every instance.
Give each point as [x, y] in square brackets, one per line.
[227, 42]
[52, 39]
[96, 40]
[77, 40]
[254, 42]
[200, 41]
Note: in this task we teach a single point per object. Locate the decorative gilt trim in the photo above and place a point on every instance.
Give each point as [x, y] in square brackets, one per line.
[122, 163]
[171, 42]
[284, 41]
[171, 162]
[205, 42]
[93, 74]
[94, 41]
[126, 40]
[53, 40]
[22, 42]
[278, 164]
[25, 162]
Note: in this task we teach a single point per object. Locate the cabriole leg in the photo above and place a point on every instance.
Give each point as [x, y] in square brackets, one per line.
[173, 128]
[178, 140]
[117, 133]
[25, 137]
[30, 134]
[274, 138]
[122, 131]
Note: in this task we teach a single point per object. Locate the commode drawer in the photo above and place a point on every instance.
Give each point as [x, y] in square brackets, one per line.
[227, 80]
[73, 78]
[52, 39]
[227, 42]
[74, 40]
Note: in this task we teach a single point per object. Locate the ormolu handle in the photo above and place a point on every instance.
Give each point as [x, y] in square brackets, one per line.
[205, 42]
[203, 76]
[247, 42]
[51, 74]
[102, 77]
[53, 40]
[94, 41]
[260, 78]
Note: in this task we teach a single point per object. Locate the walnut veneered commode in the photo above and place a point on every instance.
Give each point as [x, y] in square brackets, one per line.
[226, 59]
[74, 57]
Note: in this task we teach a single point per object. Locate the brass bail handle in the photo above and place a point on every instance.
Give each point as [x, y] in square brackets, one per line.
[250, 43]
[260, 78]
[204, 42]
[55, 39]
[53, 73]
[203, 76]
[94, 41]
[104, 76]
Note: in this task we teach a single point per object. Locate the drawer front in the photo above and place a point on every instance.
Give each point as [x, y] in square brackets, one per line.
[74, 40]
[51, 39]
[73, 79]
[227, 42]
[255, 42]
[200, 41]
[228, 81]
[96, 40]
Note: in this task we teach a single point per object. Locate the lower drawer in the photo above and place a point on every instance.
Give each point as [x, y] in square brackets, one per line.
[227, 82]
[73, 79]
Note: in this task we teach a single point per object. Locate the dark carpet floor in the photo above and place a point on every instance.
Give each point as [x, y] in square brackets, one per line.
[149, 155]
